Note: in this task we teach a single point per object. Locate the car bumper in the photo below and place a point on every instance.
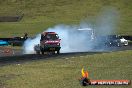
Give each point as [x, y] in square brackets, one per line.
[52, 48]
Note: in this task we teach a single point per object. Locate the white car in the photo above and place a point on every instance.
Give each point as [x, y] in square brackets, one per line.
[124, 41]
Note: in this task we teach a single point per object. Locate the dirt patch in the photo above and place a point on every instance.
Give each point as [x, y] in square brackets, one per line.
[2, 85]
[8, 76]
[3, 78]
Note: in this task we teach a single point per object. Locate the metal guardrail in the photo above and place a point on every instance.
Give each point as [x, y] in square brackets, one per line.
[11, 18]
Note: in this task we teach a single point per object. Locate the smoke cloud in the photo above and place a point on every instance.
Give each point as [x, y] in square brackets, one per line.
[28, 47]
[75, 38]
[106, 22]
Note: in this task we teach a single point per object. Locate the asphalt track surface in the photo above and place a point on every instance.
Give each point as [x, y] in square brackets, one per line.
[16, 56]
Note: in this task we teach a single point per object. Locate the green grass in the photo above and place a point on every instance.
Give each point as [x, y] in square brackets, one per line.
[64, 72]
[41, 14]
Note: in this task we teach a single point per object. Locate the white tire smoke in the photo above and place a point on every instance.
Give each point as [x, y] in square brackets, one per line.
[74, 40]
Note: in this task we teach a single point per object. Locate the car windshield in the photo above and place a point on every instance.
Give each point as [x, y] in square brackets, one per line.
[50, 37]
[113, 37]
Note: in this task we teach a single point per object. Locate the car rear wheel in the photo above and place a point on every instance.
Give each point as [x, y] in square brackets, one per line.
[58, 52]
[12, 44]
[42, 51]
[38, 52]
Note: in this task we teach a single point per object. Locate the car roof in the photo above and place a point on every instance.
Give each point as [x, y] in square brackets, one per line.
[48, 33]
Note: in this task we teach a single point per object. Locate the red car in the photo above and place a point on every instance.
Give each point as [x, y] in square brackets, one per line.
[49, 42]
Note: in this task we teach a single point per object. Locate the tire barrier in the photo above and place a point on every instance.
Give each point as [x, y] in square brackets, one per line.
[10, 18]
[7, 51]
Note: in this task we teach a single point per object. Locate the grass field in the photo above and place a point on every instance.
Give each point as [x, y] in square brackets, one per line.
[64, 72]
[41, 14]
